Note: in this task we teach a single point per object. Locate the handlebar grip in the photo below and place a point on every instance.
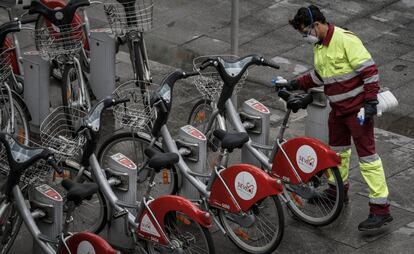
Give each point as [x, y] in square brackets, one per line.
[28, 20]
[190, 74]
[270, 64]
[26, 7]
[52, 162]
[119, 101]
[206, 63]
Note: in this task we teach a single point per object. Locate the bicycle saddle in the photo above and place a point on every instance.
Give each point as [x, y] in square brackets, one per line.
[159, 160]
[77, 192]
[296, 101]
[231, 141]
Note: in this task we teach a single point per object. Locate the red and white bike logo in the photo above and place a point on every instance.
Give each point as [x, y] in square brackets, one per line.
[147, 226]
[85, 247]
[245, 185]
[306, 159]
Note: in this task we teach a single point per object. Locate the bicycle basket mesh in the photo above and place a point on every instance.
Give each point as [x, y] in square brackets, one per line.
[209, 82]
[126, 16]
[5, 66]
[39, 172]
[53, 41]
[137, 114]
[58, 132]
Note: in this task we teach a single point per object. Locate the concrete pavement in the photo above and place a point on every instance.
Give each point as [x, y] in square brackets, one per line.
[184, 29]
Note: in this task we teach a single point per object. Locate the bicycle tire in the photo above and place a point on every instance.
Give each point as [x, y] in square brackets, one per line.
[138, 60]
[16, 223]
[22, 128]
[236, 235]
[171, 220]
[138, 140]
[85, 211]
[71, 88]
[333, 214]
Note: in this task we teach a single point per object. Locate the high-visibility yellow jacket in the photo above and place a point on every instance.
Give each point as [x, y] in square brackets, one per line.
[346, 70]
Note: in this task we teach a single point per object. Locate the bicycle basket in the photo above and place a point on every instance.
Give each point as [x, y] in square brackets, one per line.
[39, 172]
[5, 66]
[126, 16]
[53, 41]
[58, 132]
[137, 114]
[209, 82]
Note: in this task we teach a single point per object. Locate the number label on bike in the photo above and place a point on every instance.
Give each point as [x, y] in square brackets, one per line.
[256, 105]
[193, 132]
[124, 161]
[245, 185]
[49, 192]
[306, 158]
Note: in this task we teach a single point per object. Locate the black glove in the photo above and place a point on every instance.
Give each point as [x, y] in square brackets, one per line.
[292, 85]
[370, 107]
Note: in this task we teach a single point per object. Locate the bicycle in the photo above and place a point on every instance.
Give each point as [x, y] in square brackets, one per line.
[60, 37]
[58, 134]
[242, 198]
[129, 19]
[29, 167]
[314, 192]
[155, 221]
[14, 114]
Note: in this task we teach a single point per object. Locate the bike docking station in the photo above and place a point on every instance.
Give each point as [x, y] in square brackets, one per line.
[122, 175]
[316, 124]
[256, 119]
[47, 210]
[192, 145]
[36, 89]
[102, 63]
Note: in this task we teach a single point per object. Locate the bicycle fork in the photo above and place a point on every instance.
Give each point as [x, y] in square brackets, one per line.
[84, 99]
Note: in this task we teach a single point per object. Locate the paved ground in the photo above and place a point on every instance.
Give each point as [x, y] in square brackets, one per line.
[184, 29]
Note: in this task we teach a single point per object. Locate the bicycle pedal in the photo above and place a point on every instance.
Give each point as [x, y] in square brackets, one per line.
[119, 214]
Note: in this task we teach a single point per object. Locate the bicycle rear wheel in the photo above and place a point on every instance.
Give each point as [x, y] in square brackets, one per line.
[318, 202]
[260, 231]
[133, 145]
[186, 233]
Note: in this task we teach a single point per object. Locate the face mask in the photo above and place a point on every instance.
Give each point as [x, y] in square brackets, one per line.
[311, 39]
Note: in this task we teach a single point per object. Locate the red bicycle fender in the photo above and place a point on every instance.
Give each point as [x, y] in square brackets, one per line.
[247, 184]
[307, 155]
[86, 242]
[160, 207]
[77, 20]
[12, 55]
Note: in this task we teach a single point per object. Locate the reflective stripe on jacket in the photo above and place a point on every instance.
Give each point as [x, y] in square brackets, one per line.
[346, 70]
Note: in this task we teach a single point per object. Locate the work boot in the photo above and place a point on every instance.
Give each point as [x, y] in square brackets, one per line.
[379, 215]
[374, 222]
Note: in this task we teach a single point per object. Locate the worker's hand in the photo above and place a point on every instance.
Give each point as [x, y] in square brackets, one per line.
[370, 107]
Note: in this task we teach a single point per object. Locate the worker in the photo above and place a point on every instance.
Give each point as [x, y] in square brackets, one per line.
[349, 76]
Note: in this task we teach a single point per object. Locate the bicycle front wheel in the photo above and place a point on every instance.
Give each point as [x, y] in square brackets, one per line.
[133, 145]
[260, 231]
[91, 214]
[320, 201]
[18, 124]
[186, 234]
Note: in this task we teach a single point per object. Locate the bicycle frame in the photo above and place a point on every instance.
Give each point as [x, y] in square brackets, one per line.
[139, 56]
[152, 211]
[223, 181]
